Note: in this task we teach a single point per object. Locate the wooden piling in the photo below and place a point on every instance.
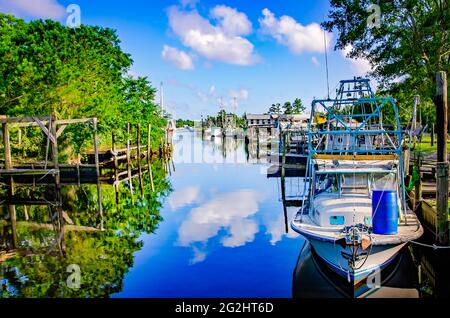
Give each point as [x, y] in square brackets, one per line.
[283, 198]
[116, 167]
[130, 184]
[432, 135]
[283, 161]
[141, 182]
[257, 142]
[7, 146]
[9, 166]
[149, 153]
[58, 198]
[97, 172]
[441, 116]
[442, 158]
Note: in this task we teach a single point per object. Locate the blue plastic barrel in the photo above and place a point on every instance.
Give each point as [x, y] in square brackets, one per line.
[384, 212]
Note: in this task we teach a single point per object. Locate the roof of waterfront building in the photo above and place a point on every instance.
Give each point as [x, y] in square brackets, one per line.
[258, 116]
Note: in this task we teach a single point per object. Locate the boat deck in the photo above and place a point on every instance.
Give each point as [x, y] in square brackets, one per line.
[407, 231]
[328, 166]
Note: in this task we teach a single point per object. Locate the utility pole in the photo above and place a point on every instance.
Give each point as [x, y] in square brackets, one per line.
[442, 158]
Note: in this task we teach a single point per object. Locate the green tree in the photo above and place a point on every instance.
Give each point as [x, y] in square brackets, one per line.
[407, 49]
[288, 109]
[49, 68]
[298, 107]
[275, 109]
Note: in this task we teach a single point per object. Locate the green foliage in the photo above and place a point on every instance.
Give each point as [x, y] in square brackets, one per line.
[185, 122]
[288, 108]
[104, 258]
[275, 109]
[220, 119]
[75, 73]
[297, 106]
[410, 46]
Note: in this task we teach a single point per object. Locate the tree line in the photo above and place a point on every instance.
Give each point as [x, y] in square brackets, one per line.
[287, 108]
[48, 68]
[406, 49]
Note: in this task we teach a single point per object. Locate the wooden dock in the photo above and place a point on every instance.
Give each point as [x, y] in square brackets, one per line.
[113, 166]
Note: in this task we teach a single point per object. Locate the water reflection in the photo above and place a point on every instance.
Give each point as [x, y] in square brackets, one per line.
[228, 215]
[313, 279]
[36, 265]
[222, 232]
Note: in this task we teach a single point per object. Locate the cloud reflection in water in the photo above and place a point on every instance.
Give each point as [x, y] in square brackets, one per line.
[231, 212]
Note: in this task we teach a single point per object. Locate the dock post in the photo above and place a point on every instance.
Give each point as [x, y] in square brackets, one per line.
[432, 135]
[283, 161]
[442, 158]
[283, 199]
[55, 157]
[8, 166]
[129, 166]
[149, 153]
[7, 146]
[257, 143]
[97, 172]
[418, 188]
[141, 182]
[116, 167]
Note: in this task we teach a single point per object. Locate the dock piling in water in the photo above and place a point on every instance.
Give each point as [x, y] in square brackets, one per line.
[442, 158]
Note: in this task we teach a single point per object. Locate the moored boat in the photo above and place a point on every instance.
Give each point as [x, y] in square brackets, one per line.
[354, 211]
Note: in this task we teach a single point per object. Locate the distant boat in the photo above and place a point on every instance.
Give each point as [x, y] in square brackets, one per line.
[230, 132]
[354, 211]
[216, 132]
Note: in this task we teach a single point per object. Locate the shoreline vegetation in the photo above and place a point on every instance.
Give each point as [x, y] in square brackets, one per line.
[48, 68]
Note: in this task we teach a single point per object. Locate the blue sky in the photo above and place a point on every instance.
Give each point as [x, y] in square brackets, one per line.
[244, 54]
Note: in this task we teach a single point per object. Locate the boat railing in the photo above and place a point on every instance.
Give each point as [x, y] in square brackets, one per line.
[351, 127]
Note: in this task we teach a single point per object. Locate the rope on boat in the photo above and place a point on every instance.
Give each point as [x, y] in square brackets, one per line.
[433, 246]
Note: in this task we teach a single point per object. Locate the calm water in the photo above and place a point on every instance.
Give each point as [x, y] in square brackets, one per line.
[223, 233]
[215, 226]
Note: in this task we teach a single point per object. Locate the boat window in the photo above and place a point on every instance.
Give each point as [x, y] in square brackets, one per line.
[337, 220]
[368, 220]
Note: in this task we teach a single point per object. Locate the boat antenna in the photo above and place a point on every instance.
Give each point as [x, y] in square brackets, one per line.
[326, 62]
[161, 96]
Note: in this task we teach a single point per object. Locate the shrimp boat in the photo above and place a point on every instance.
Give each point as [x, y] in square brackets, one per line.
[354, 212]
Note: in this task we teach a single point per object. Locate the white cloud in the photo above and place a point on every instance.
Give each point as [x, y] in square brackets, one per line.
[178, 58]
[184, 197]
[33, 8]
[231, 21]
[230, 211]
[359, 66]
[297, 37]
[276, 228]
[315, 61]
[199, 256]
[213, 42]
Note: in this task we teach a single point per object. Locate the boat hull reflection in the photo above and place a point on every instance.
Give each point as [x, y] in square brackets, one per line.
[314, 279]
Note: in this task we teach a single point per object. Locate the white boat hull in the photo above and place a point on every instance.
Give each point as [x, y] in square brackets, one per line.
[378, 258]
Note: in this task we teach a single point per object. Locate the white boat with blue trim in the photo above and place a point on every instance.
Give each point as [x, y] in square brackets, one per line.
[354, 211]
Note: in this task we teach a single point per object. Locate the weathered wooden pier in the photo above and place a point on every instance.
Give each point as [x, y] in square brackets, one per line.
[113, 166]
